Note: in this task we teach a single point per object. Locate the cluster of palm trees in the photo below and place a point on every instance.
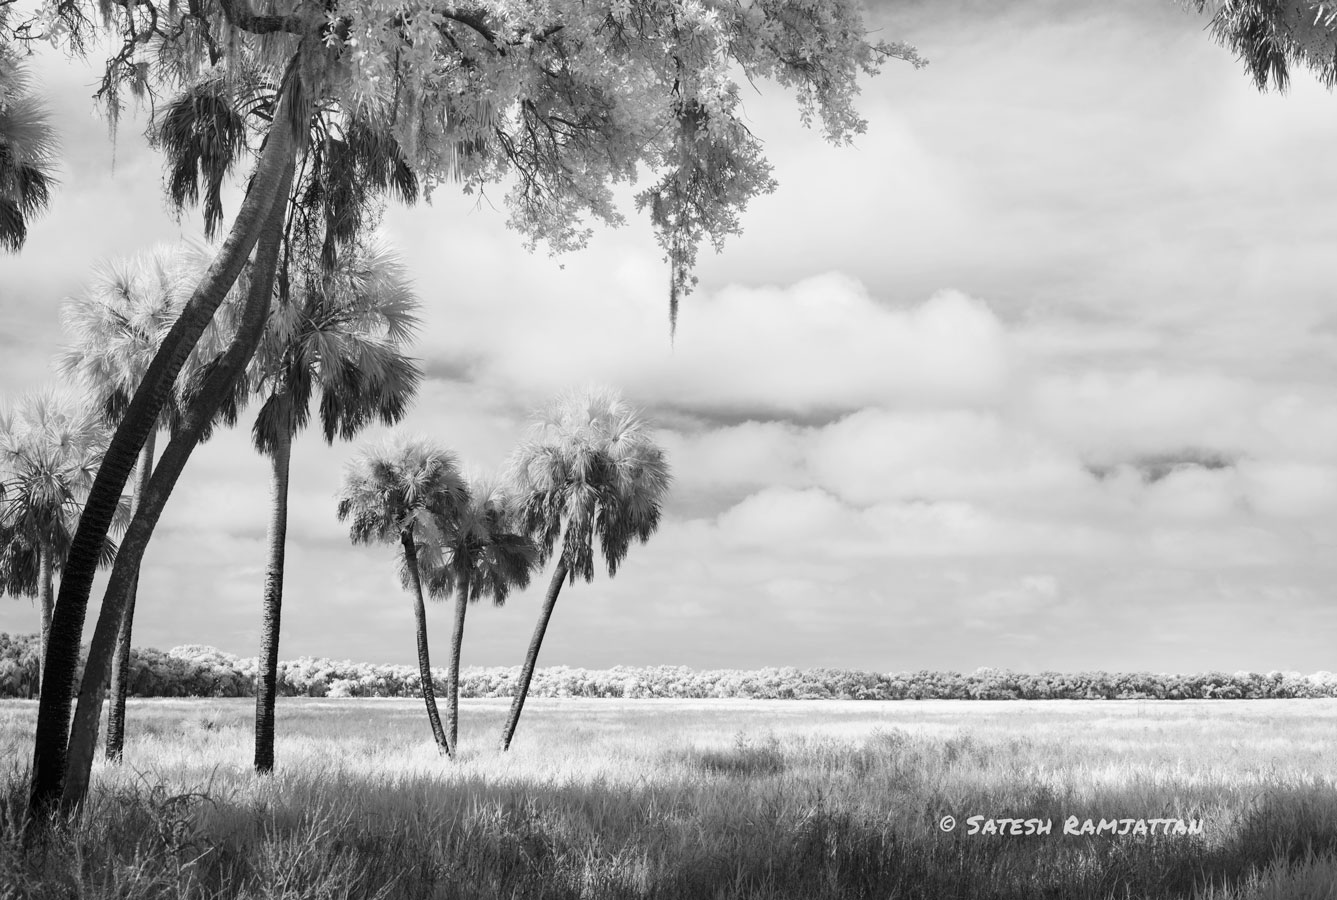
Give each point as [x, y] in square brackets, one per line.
[587, 480]
[338, 338]
[588, 474]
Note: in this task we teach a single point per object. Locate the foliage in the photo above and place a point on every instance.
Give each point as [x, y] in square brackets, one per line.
[199, 671]
[559, 100]
[116, 324]
[51, 444]
[589, 472]
[342, 336]
[1273, 36]
[27, 148]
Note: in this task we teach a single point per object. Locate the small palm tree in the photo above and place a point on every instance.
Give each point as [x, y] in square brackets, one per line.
[588, 470]
[27, 153]
[50, 448]
[477, 551]
[116, 325]
[340, 335]
[394, 493]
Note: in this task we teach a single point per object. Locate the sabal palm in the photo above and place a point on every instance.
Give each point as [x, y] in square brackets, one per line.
[50, 448]
[27, 153]
[394, 493]
[116, 325]
[1271, 36]
[588, 472]
[340, 335]
[477, 550]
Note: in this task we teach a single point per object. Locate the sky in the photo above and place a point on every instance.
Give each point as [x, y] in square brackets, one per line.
[1039, 374]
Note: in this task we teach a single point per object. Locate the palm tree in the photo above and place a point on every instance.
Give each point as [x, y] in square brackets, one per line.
[476, 551]
[1271, 36]
[216, 382]
[589, 469]
[27, 153]
[394, 492]
[52, 768]
[340, 335]
[50, 448]
[117, 324]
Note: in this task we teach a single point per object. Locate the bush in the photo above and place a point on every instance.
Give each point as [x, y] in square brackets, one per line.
[200, 671]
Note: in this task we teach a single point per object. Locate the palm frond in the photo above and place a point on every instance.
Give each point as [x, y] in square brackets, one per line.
[588, 472]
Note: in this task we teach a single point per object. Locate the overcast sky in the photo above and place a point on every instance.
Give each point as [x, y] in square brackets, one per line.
[1040, 374]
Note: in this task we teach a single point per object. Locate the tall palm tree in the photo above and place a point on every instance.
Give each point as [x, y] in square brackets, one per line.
[339, 335]
[477, 551]
[27, 153]
[395, 492]
[53, 769]
[588, 470]
[117, 324]
[50, 448]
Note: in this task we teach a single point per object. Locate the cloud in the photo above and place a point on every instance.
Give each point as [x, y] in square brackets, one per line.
[821, 345]
[1032, 595]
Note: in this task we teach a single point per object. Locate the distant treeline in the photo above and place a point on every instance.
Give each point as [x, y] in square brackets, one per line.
[199, 671]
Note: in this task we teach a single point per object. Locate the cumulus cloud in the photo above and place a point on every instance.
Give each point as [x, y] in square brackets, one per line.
[822, 345]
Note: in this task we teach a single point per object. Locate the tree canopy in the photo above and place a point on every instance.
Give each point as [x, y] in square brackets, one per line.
[560, 100]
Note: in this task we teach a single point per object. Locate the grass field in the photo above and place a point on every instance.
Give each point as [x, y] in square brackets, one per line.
[697, 799]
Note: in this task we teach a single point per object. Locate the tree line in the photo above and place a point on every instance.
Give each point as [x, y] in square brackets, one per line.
[202, 671]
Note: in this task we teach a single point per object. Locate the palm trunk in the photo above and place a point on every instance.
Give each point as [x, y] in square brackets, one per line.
[120, 664]
[267, 689]
[217, 385]
[456, 645]
[531, 658]
[424, 664]
[61, 658]
[46, 590]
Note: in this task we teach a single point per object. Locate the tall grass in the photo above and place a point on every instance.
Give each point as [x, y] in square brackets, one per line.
[705, 799]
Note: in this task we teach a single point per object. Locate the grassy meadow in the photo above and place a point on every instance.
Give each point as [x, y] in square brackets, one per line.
[695, 799]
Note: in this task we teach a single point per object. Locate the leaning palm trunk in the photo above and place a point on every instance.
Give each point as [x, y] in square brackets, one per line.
[45, 585]
[424, 663]
[531, 658]
[120, 664]
[61, 658]
[217, 385]
[267, 689]
[456, 645]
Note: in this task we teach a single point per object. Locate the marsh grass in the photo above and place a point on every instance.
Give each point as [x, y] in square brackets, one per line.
[694, 799]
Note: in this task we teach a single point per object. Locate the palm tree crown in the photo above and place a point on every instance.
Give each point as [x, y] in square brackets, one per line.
[118, 322]
[589, 469]
[341, 333]
[27, 153]
[50, 448]
[397, 487]
[479, 542]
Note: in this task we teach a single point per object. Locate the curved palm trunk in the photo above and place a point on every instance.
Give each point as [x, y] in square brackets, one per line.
[456, 645]
[424, 664]
[46, 588]
[217, 385]
[267, 689]
[120, 664]
[61, 658]
[531, 658]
